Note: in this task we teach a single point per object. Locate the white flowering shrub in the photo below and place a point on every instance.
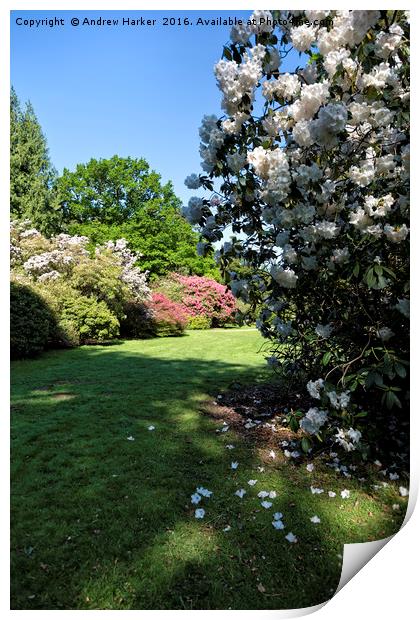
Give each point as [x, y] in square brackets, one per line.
[88, 290]
[311, 170]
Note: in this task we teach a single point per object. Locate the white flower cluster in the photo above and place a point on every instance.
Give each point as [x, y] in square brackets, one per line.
[273, 168]
[314, 419]
[317, 183]
[348, 439]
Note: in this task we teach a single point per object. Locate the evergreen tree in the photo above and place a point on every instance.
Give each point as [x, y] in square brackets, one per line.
[31, 172]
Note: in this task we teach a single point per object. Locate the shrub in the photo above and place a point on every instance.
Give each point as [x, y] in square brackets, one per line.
[90, 319]
[199, 322]
[31, 321]
[313, 171]
[201, 297]
[169, 318]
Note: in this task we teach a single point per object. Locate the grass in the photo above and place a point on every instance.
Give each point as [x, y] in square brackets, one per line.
[101, 522]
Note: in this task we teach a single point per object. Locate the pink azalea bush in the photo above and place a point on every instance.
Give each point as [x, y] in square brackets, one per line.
[168, 317]
[201, 297]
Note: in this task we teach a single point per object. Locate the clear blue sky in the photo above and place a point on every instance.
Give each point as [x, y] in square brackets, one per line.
[131, 91]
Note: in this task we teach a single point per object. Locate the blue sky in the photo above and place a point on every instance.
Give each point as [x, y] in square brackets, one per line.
[131, 91]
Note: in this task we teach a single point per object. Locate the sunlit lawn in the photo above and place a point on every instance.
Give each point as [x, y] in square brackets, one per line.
[102, 522]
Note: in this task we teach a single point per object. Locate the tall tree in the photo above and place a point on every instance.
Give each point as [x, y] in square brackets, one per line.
[122, 197]
[31, 172]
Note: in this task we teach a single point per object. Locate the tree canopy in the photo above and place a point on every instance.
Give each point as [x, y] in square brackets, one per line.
[122, 197]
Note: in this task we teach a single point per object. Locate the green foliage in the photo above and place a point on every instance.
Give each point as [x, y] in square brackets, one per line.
[81, 318]
[199, 322]
[31, 321]
[31, 172]
[102, 281]
[121, 197]
[92, 319]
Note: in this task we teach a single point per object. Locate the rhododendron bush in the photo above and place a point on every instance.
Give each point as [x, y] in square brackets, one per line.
[201, 297]
[87, 291]
[311, 169]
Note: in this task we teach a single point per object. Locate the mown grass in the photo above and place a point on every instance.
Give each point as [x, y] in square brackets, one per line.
[101, 522]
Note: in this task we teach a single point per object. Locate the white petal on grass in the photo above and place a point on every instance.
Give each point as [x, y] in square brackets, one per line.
[252, 482]
[316, 491]
[277, 516]
[230, 446]
[130, 438]
[315, 519]
[393, 476]
[263, 494]
[199, 513]
[277, 524]
[227, 528]
[266, 504]
[260, 469]
[272, 495]
[377, 463]
[395, 506]
[310, 467]
[195, 498]
[151, 428]
[345, 494]
[295, 454]
[272, 454]
[291, 537]
[204, 492]
[240, 493]
[224, 429]
[234, 465]
[287, 454]
[403, 492]
[332, 494]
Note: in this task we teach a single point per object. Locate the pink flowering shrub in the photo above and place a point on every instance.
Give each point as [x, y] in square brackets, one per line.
[201, 297]
[168, 317]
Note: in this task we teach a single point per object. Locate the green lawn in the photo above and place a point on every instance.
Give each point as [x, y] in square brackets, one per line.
[102, 522]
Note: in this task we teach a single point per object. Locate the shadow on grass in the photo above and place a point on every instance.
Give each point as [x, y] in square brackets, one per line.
[100, 521]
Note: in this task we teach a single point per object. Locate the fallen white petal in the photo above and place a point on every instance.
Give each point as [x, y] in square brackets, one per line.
[310, 467]
[234, 465]
[403, 492]
[316, 491]
[266, 504]
[291, 537]
[151, 428]
[240, 493]
[393, 476]
[277, 524]
[227, 528]
[195, 498]
[315, 519]
[229, 446]
[263, 494]
[199, 513]
[252, 482]
[277, 516]
[345, 494]
[130, 438]
[272, 454]
[272, 495]
[204, 492]
[332, 494]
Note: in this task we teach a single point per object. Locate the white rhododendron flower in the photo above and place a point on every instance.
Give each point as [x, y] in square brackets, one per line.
[313, 420]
